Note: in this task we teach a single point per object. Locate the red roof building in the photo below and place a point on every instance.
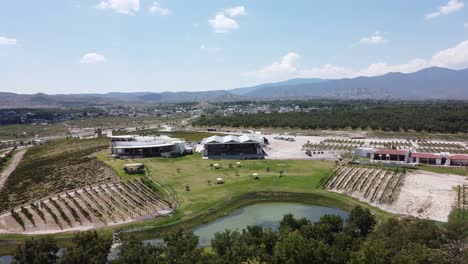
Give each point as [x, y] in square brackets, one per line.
[458, 157]
[426, 155]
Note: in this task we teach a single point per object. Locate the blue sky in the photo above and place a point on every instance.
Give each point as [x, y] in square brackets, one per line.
[98, 46]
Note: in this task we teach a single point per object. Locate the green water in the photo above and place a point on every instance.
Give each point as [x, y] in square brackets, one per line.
[267, 215]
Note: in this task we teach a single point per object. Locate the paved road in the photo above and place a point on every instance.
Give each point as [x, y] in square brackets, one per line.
[12, 166]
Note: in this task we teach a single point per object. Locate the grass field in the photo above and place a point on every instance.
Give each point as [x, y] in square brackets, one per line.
[26, 132]
[116, 121]
[299, 176]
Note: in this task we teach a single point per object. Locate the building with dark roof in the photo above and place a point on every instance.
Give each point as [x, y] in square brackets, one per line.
[233, 147]
[391, 154]
[428, 158]
[458, 160]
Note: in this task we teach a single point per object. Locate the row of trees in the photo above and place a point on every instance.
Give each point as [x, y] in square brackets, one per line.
[329, 240]
[441, 117]
[6, 157]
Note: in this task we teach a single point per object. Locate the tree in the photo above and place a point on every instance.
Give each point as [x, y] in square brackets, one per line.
[88, 247]
[291, 223]
[403, 241]
[181, 248]
[133, 251]
[361, 219]
[294, 248]
[41, 251]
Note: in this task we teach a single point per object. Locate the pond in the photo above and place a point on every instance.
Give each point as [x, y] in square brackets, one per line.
[267, 215]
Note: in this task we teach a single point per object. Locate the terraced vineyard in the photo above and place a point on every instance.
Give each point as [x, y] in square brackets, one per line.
[55, 167]
[86, 208]
[436, 147]
[373, 185]
[460, 211]
[351, 144]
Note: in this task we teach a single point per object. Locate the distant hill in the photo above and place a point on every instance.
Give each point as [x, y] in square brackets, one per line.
[431, 83]
[295, 81]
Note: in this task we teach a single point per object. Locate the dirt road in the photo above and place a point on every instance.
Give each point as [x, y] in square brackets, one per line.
[12, 166]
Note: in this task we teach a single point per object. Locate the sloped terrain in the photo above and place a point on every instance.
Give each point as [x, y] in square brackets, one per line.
[373, 185]
[55, 167]
[86, 208]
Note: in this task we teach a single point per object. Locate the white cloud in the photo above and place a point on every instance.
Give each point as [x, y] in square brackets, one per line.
[374, 39]
[7, 41]
[222, 24]
[223, 21]
[92, 58]
[127, 7]
[466, 24]
[450, 7]
[279, 70]
[456, 57]
[235, 11]
[155, 8]
[453, 58]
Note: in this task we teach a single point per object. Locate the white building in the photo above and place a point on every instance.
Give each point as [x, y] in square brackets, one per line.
[138, 146]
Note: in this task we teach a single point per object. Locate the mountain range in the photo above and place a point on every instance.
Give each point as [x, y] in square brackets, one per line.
[428, 84]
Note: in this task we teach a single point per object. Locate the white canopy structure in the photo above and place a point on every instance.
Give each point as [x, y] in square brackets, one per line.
[233, 147]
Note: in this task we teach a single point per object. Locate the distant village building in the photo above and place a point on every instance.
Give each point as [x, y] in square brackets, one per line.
[138, 146]
[411, 156]
[458, 160]
[235, 147]
[363, 152]
[427, 158]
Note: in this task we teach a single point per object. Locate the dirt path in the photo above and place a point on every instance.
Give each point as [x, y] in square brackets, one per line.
[12, 166]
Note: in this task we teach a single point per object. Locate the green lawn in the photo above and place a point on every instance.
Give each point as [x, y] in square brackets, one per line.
[300, 176]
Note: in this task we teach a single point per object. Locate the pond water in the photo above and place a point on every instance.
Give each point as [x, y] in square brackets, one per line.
[9, 259]
[266, 215]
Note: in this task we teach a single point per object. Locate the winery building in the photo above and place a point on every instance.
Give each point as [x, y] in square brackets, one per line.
[138, 146]
[233, 147]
